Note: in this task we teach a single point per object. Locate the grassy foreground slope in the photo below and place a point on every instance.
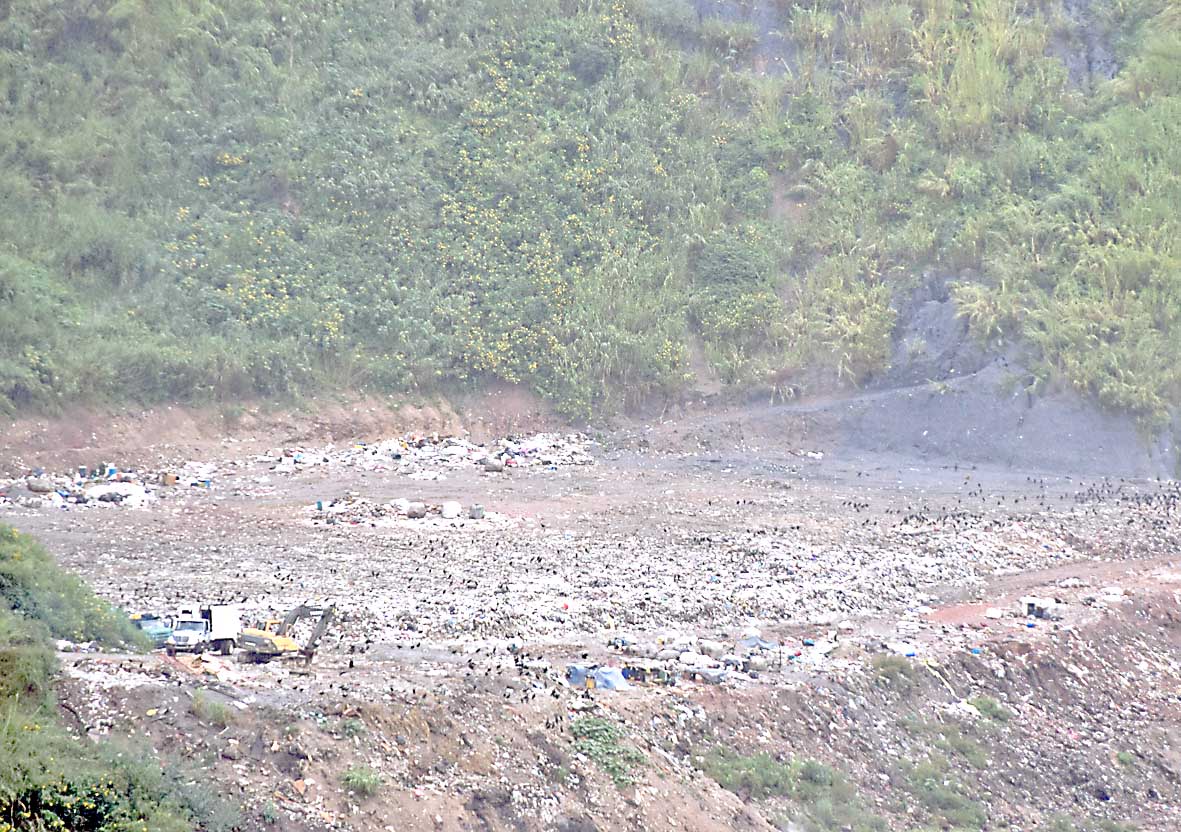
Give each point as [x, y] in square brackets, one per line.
[50, 779]
[207, 200]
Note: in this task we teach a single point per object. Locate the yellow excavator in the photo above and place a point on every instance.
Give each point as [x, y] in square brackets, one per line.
[273, 639]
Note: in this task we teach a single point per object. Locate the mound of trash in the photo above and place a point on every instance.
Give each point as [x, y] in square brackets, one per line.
[355, 510]
[107, 488]
[417, 457]
[429, 457]
[103, 485]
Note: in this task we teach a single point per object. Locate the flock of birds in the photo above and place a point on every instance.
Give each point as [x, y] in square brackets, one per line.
[428, 565]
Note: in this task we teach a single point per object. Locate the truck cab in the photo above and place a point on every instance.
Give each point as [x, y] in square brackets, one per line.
[196, 630]
[153, 626]
[188, 634]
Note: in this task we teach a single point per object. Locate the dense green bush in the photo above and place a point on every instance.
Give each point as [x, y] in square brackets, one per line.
[220, 200]
[361, 780]
[603, 742]
[35, 589]
[49, 779]
[827, 801]
[26, 660]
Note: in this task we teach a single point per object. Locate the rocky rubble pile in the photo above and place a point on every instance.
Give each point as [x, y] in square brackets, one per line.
[672, 657]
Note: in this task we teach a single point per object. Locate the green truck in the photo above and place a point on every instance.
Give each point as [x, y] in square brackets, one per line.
[153, 626]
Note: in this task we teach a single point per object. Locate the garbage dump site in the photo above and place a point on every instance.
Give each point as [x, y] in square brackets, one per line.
[507, 592]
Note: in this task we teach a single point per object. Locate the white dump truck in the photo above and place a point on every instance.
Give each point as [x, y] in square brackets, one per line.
[197, 629]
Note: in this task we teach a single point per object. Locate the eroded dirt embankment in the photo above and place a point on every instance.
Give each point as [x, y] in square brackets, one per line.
[171, 433]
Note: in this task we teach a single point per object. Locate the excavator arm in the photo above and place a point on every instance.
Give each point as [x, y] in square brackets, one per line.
[326, 617]
[275, 642]
[292, 618]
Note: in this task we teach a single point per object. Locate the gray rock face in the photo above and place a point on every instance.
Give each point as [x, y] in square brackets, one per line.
[17, 492]
[930, 341]
[982, 419]
[945, 397]
[1086, 47]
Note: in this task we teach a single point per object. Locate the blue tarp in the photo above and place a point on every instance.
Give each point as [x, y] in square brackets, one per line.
[607, 678]
[712, 676]
[576, 674]
[610, 678]
[751, 642]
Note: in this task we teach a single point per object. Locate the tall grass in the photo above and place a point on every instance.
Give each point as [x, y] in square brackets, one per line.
[522, 191]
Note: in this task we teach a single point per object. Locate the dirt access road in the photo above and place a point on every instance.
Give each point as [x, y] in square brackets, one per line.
[888, 587]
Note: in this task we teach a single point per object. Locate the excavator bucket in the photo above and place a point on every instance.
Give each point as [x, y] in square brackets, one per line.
[326, 617]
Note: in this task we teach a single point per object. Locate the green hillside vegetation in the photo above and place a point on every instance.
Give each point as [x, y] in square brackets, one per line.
[49, 778]
[209, 200]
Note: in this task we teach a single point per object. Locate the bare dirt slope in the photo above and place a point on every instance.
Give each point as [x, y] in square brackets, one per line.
[167, 433]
